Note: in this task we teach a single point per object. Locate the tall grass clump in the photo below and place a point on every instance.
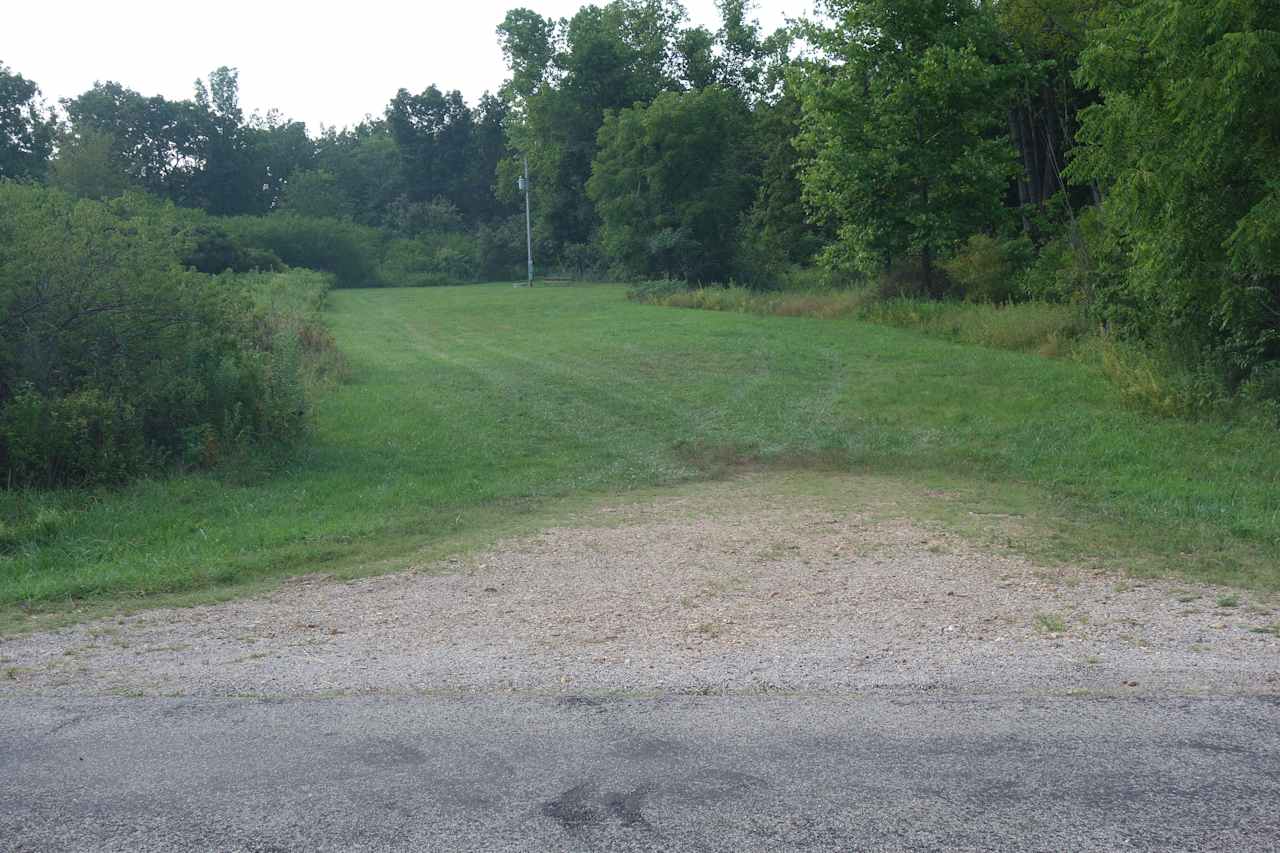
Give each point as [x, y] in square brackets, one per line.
[1046, 328]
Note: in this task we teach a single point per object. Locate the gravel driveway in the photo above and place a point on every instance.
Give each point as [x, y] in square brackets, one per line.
[725, 589]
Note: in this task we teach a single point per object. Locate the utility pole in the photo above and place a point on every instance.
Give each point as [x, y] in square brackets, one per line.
[528, 219]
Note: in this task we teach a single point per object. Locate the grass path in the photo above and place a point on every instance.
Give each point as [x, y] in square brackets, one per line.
[470, 405]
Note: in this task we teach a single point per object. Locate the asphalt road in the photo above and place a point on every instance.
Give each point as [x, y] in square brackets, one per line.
[815, 772]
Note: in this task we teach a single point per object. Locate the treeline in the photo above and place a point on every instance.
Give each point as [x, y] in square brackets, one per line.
[1122, 156]
[1118, 156]
[406, 198]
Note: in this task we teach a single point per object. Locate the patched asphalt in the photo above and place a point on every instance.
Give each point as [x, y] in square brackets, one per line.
[735, 772]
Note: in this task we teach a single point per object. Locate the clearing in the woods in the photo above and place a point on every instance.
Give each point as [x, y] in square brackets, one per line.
[481, 412]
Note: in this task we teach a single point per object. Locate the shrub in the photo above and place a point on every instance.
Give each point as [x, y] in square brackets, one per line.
[411, 218]
[501, 249]
[1077, 263]
[431, 259]
[987, 270]
[1184, 138]
[213, 250]
[289, 321]
[78, 437]
[582, 261]
[656, 291]
[350, 251]
[115, 357]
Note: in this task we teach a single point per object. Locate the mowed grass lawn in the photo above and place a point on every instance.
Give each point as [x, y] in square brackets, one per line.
[469, 406]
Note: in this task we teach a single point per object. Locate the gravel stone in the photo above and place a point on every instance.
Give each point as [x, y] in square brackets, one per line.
[726, 590]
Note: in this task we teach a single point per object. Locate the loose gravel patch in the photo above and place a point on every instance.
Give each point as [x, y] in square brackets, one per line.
[730, 589]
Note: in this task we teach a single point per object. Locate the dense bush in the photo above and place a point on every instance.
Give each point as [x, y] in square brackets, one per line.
[987, 269]
[351, 252]
[501, 249]
[431, 259]
[213, 250]
[115, 357]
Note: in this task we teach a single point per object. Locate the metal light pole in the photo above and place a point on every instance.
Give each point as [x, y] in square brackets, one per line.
[528, 220]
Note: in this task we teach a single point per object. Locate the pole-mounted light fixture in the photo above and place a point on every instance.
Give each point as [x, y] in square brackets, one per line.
[523, 184]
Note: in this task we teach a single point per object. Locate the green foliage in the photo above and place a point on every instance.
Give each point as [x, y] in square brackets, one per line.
[501, 250]
[198, 153]
[315, 193]
[74, 437]
[1186, 146]
[431, 259]
[1039, 327]
[365, 163]
[114, 358]
[87, 166]
[289, 321]
[1076, 263]
[900, 128]
[567, 75]
[447, 150]
[437, 216]
[212, 249]
[777, 232]
[986, 269]
[349, 251]
[671, 181]
[26, 129]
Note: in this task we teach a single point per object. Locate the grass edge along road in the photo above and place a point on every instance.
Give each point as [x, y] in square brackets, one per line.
[473, 408]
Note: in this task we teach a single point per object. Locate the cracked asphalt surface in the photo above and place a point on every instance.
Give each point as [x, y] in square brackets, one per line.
[668, 773]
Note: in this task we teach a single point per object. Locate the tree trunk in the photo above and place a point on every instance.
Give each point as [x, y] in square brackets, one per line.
[1024, 192]
[926, 253]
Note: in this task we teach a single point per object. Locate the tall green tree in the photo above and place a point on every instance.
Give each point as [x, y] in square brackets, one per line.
[1185, 144]
[278, 148]
[1043, 116]
[316, 193]
[230, 177]
[26, 128]
[366, 165]
[88, 166]
[905, 128]
[565, 77]
[671, 181]
[778, 228]
[156, 141]
[434, 131]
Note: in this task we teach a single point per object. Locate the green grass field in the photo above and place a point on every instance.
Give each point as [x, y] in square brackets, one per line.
[471, 407]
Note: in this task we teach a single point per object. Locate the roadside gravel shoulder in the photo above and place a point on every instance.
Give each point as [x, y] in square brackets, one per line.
[726, 588]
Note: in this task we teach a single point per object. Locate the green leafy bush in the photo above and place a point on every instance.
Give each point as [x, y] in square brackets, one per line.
[986, 269]
[431, 259]
[656, 290]
[213, 250]
[115, 357]
[501, 249]
[351, 252]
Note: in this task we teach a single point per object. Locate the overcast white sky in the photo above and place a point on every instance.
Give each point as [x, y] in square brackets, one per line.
[315, 61]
